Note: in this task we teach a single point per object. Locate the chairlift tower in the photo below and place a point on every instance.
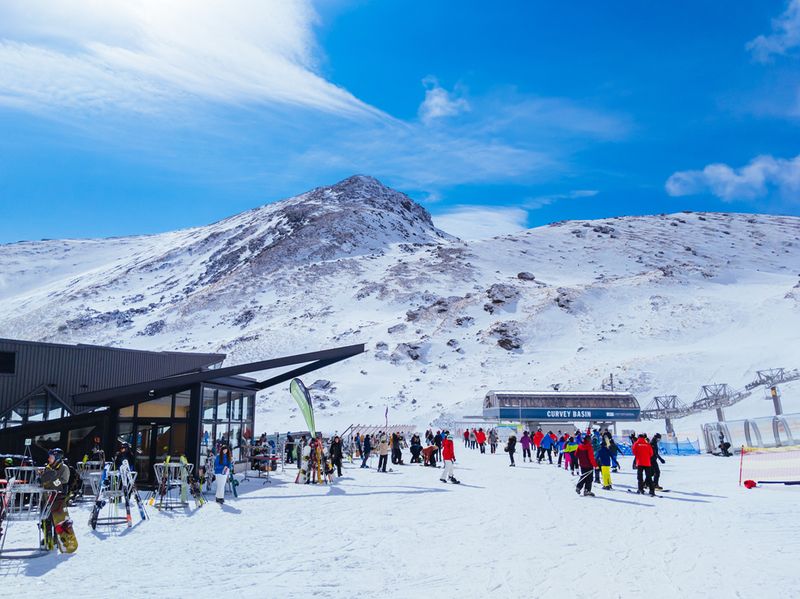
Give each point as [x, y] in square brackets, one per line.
[666, 407]
[716, 396]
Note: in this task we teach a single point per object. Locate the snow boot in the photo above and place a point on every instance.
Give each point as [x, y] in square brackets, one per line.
[444, 480]
[607, 488]
[578, 490]
[454, 480]
[588, 494]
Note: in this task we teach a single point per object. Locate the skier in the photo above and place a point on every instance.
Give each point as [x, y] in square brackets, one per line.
[437, 440]
[493, 441]
[585, 457]
[546, 446]
[472, 441]
[526, 446]
[643, 453]
[383, 453]
[358, 445]
[537, 442]
[604, 458]
[55, 477]
[614, 449]
[480, 438]
[656, 459]
[560, 444]
[125, 454]
[397, 453]
[596, 447]
[466, 438]
[511, 447]
[336, 453]
[222, 467]
[570, 461]
[449, 455]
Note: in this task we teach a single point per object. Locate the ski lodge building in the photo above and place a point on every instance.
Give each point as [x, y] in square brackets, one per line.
[533, 408]
[162, 403]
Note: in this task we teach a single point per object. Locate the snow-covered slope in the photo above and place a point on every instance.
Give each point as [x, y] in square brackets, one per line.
[665, 303]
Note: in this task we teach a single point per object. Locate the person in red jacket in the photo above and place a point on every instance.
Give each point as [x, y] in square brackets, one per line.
[585, 456]
[480, 437]
[537, 441]
[466, 438]
[643, 453]
[449, 457]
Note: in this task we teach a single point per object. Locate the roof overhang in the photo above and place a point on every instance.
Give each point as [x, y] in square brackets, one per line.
[223, 376]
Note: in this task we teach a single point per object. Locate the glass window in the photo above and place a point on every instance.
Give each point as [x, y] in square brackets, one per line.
[80, 440]
[179, 439]
[125, 434]
[162, 442]
[55, 409]
[223, 405]
[182, 404]
[156, 408]
[235, 439]
[222, 432]
[206, 436]
[209, 403]
[8, 362]
[250, 406]
[47, 441]
[37, 407]
[236, 406]
[127, 411]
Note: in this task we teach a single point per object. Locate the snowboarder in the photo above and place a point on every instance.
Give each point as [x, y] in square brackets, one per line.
[222, 467]
[511, 447]
[587, 463]
[449, 455]
[55, 477]
[643, 453]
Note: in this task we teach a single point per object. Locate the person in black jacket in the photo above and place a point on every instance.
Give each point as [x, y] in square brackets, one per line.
[511, 447]
[336, 454]
[289, 449]
[655, 460]
[366, 449]
[416, 449]
[125, 454]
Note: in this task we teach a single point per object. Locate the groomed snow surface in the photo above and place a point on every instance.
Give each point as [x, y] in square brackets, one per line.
[505, 531]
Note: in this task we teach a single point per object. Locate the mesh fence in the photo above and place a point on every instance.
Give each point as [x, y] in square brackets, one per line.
[770, 464]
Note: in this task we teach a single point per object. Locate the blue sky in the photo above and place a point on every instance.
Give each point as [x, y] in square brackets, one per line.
[142, 116]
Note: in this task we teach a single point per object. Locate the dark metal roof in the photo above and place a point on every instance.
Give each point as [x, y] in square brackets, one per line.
[312, 361]
[73, 369]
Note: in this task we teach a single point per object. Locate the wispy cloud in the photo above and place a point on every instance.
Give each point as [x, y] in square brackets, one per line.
[750, 182]
[546, 200]
[146, 55]
[480, 222]
[439, 102]
[784, 37]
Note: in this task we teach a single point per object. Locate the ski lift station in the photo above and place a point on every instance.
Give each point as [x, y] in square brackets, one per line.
[538, 407]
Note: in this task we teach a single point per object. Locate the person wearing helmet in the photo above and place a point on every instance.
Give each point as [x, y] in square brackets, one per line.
[55, 477]
[449, 456]
[125, 454]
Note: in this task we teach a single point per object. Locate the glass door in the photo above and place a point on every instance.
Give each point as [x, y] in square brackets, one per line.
[144, 454]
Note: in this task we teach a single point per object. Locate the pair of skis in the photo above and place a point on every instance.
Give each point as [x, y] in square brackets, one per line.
[195, 487]
[129, 488]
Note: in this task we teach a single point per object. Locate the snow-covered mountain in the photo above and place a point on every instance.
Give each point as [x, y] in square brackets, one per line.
[665, 303]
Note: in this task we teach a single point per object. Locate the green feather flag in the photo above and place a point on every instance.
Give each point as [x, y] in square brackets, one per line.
[303, 399]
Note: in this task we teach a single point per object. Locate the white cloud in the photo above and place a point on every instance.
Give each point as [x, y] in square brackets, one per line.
[439, 103]
[145, 55]
[785, 35]
[546, 200]
[746, 183]
[480, 222]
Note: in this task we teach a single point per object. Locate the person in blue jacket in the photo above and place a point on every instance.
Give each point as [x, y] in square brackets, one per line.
[604, 459]
[547, 447]
[222, 468]
[596, 447]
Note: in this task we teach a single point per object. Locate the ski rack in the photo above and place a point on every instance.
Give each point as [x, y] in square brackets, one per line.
[88, 471]
[175, 482]
[265, 459]
[112, 494]
[21, 502]
[23, 475]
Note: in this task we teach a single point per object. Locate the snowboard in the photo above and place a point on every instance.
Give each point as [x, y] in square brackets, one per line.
[67, 541]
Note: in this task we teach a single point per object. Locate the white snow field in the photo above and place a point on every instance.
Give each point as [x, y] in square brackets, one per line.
[404, 534]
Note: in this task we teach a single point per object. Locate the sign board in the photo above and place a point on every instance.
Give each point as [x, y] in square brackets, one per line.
[559, 414]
